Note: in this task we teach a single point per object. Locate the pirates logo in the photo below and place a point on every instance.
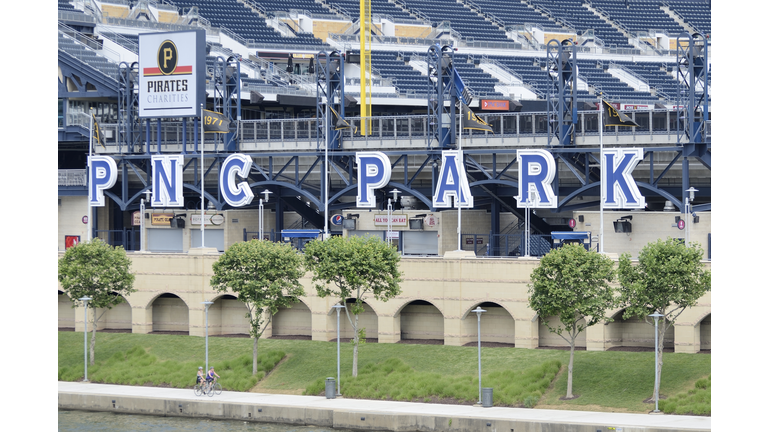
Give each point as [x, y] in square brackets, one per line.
[167, 62]
[167, 57]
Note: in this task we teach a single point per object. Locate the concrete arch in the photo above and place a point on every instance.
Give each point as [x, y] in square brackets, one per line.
[226, 316]
[633, 332]
[407, 302]
[475, 305]
[119, 318]
[66, 312]
[497, 324]
[368, 320]
[421, 320]
[549, 339]
[295, 321]
[704, 326]
[152, 299]
[170, 313]
[367, 305]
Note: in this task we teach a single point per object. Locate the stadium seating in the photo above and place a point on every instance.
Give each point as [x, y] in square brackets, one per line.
[246, 23]
[65, 5]
[652, 81]
[378, 7]
[575, 14]
[514, 13]
[639, 15]
[694, 13]
[87, 55]
[461, 18]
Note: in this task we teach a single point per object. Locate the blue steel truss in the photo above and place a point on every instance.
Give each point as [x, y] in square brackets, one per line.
[562, 100]
[292, 176]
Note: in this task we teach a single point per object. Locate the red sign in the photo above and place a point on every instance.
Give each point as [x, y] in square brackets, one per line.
[681, 224]
[572, 223]
[494, 105]
[70, 241]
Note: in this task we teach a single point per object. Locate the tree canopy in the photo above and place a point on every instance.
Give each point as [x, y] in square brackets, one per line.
[572, 284]
[353, 267]
[97, 270]
[668, 278]
[265, 277]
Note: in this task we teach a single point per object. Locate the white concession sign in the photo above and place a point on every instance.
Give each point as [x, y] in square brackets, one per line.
[171, 74]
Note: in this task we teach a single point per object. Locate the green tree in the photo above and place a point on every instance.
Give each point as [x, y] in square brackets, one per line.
[264, 276]
[572, 284]
[353, 267]
[97, 270]
[668, 278]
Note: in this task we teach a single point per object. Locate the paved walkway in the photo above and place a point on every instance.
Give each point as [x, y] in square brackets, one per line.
[669, 422]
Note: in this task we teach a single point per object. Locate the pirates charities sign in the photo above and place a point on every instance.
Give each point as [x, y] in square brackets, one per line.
[171, 74]
[536, 172]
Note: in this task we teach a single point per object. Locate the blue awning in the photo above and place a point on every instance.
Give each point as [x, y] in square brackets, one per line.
[306, 233]
[570, 235]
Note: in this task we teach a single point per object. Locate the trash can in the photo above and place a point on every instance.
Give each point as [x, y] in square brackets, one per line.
[487, 397]
[330, 388]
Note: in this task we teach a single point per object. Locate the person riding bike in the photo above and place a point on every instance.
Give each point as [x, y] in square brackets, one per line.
[209, 378]
[200, 375]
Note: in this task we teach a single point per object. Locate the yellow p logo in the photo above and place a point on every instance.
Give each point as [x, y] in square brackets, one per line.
[167, 57]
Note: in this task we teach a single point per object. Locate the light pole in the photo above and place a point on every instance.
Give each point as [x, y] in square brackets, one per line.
[656, 384]
[528, 227]
[479, 311]
[338, 348]
[207, 305]
[394, 193]
[688, 210]
[141, 222]
[261, 212]
[85, 301]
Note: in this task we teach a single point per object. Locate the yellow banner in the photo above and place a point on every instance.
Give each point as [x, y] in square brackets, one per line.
[162, 219]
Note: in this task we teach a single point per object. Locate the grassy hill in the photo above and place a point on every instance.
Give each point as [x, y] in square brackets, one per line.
[602, 380]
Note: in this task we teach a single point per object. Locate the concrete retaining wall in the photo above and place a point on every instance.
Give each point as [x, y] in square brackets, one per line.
[326, 417]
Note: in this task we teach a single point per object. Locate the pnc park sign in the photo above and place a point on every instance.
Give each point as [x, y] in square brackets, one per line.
[536, 172]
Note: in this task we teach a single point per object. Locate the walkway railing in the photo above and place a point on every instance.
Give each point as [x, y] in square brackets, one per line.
[528, 128]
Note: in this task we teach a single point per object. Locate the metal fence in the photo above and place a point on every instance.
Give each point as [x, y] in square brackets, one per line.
[506, 245]
[128, 238]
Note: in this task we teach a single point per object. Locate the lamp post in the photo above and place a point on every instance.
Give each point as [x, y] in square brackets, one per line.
[207, 305]
[688, 209]
[338, 308]
[394, 193]
[528, 226]
[261, 212]
[656, 384]
[479, 311]
[85, 301]
[141, 222]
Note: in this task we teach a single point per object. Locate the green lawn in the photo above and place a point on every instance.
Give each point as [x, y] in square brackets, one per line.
[607, 381]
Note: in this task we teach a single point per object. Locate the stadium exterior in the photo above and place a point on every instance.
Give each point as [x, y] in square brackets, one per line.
[281, 125]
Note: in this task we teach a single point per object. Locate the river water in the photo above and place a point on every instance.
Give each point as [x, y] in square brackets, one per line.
[86, 421]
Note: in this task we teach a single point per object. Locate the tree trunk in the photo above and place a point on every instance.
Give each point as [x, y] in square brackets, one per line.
[93, 335]
[93, 342]
[569, 391]
[354, 351]
[255, 355]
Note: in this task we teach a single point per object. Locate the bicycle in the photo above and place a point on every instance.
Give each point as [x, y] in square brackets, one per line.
[209, 389]
[199, 389]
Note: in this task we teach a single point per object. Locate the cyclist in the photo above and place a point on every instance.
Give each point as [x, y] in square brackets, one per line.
[200, 375]
[209, 378]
